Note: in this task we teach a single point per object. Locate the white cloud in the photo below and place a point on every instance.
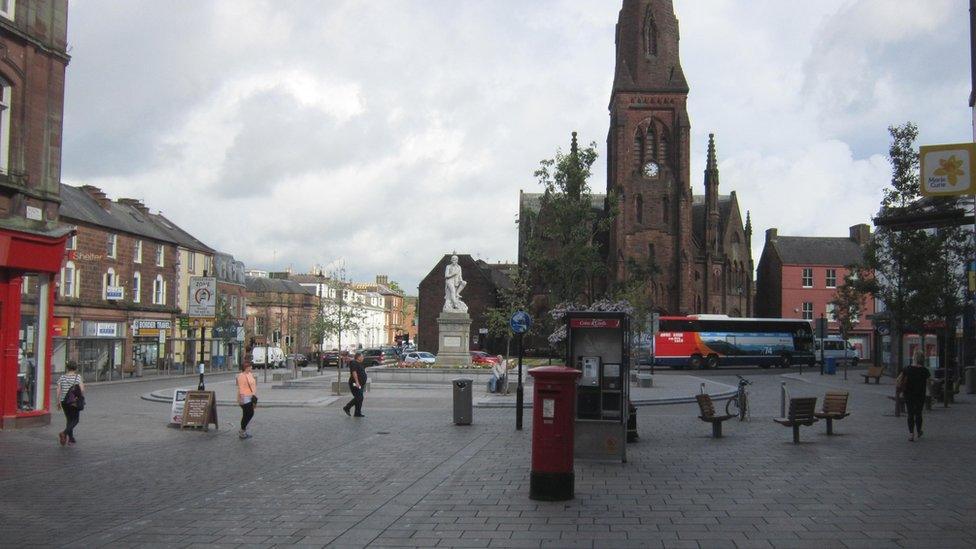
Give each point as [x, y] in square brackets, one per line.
[384, 134]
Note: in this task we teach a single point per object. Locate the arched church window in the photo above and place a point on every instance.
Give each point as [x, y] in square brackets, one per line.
[639, 207]
[665, 210]
[650, 33]
[639, 148]
[663, 147]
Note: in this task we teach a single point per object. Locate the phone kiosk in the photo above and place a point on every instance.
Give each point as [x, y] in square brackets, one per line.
[598, 345]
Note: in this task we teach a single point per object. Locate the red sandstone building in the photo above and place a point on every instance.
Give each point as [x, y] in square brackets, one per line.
[798, 277]
[33, 40]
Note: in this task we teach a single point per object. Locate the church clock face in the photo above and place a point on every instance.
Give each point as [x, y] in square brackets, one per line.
[651, 169]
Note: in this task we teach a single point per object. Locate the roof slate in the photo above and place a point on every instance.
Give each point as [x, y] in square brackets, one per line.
[817, 250]
[259, 285]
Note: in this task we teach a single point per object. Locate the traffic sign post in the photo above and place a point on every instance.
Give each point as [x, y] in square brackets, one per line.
[520, 323]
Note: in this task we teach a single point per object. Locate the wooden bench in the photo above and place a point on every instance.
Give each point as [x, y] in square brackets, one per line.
[708, 414]
[834, 407]
[873, 372]
[801, 412]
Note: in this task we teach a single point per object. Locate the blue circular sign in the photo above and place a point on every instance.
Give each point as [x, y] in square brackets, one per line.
[521, 322]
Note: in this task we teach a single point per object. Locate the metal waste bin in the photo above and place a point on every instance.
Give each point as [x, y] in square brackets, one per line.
[462, 401]
[971, 380]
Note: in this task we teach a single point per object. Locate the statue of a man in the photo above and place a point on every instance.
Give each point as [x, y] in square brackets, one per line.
[453, 284]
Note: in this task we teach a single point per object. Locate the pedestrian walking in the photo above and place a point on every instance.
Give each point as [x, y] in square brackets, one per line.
[357, 382]
[71, 400]
[247, 395]
[912, 383]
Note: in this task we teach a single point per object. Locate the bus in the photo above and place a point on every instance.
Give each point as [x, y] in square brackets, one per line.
[710, 341]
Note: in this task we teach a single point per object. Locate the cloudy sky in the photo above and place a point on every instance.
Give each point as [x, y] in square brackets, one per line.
[383, 134]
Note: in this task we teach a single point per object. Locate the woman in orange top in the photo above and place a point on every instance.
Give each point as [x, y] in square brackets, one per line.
[247, 395]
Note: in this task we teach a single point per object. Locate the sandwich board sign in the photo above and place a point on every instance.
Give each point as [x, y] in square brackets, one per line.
[179, 399]
[947, 170]
[199, 410]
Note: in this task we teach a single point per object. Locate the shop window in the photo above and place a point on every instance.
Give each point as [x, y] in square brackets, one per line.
[160, 255]
[136, 287]
[5, 94]
[137, 253]
[32, 348]
[112, 245]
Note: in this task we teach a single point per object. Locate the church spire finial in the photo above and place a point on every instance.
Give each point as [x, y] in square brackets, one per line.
[712, 163]
[574, 183]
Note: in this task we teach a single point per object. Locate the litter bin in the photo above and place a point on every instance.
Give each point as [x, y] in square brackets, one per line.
[971, 380]
[830, 366]
[462, 401]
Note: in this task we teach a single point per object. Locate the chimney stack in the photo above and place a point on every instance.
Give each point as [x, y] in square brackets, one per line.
[861, 233]
[103, 201]
[771, 234]
[383, 279]
[135, 203]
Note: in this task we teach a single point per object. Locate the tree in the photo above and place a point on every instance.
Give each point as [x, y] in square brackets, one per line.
[337, 315]
[917, 271]
[563, 255]
[849, 300]
[515, 298]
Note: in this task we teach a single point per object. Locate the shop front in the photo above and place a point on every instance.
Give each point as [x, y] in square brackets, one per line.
[149, 343]
[95, 346]
[28, 263]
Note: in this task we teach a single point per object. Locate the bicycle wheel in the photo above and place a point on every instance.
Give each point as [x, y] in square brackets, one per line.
[732, 406]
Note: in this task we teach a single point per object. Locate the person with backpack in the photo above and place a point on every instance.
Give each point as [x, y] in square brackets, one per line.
[71, 400]
[911, 383]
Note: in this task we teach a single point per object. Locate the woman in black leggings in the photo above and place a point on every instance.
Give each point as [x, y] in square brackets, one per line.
[914, 382]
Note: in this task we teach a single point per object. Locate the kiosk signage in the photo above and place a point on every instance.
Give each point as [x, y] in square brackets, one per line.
[598, 345]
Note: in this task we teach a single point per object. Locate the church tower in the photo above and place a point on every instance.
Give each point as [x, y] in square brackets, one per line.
[648, 157]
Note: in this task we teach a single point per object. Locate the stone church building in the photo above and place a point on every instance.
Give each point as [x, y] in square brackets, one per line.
[698, 243]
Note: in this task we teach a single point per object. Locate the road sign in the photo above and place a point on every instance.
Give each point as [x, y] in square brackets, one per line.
[203, 296]
[521, 322]
[948, 170]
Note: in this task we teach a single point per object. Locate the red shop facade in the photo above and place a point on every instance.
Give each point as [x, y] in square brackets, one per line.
[29, 263]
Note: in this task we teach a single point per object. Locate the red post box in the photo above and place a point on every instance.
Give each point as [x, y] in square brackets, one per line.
[553, 419]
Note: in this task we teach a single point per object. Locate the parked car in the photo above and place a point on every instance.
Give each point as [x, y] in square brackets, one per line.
[263, 356]
[834, 347]
[423, 357]
[375, 357]
[330, 359]
[298, 359]
[482, 358]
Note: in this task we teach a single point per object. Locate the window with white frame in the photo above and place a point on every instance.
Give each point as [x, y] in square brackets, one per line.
[112, 245]
[71, 243]
[136, 287]
[137, 253]
[831, 278]
[110, 279]
[807, 277]
[5, 95]
[191, 262]
[159, 291]
[68, 286]
[7, 8]
[830, 312]
[807, 310]
[160, 255]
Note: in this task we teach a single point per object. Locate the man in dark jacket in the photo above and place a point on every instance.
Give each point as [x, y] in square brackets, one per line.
[357, 384]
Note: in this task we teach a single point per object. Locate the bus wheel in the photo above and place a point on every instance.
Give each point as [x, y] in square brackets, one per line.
[711, 361]
[784, 362]
[695, 362]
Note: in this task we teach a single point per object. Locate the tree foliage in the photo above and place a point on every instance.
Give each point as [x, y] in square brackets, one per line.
[850, 300]
[337, 315]
[515, 298]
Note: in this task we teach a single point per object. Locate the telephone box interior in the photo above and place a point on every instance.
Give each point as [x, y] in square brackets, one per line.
[598, 345]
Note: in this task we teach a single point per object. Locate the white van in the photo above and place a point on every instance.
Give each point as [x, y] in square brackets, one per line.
[834, 347]
[260, 357]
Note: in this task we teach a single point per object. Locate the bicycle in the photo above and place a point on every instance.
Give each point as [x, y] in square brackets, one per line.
[739, 404]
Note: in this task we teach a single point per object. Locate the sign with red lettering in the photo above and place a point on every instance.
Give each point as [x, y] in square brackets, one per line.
[594, 323]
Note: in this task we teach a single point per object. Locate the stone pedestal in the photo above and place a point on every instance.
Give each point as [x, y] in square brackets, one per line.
[454, 330]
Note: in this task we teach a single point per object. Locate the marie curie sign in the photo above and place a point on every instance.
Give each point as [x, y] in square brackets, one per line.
[947, 170]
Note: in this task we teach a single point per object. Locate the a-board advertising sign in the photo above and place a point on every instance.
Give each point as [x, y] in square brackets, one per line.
[199, 409]
[203, 297]
[947, 170]
[179, 398]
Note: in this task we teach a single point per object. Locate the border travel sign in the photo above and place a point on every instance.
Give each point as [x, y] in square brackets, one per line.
[203, 297]
[521, 322]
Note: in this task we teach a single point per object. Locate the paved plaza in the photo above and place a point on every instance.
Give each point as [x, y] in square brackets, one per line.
[405, 476]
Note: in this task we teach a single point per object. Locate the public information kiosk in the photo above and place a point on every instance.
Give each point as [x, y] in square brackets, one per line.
[598, 345]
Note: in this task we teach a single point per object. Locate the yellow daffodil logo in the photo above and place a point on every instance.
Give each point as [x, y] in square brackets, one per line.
[950, 168]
